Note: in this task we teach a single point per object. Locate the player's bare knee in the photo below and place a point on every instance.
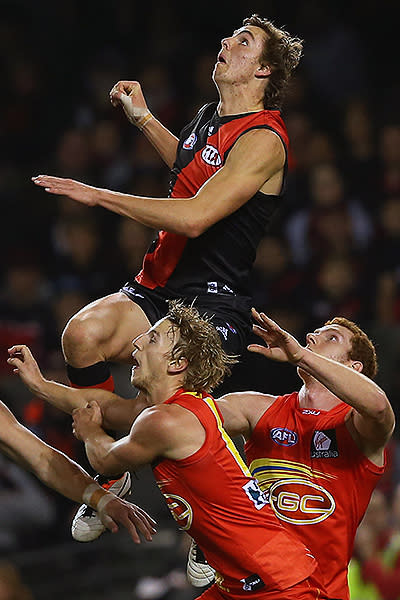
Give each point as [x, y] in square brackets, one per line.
[82, 337]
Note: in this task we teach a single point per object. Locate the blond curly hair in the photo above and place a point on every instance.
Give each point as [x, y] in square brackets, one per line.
[200, 344]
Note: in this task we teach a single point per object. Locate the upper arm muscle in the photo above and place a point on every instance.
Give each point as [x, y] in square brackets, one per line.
[241, 411]
[256, 157]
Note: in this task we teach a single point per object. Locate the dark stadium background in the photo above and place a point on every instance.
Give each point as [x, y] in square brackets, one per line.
[334, 248]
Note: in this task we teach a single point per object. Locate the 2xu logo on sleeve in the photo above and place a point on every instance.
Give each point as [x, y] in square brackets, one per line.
[301, 501]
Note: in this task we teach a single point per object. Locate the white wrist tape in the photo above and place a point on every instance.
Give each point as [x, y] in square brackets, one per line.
[89, 491]
[104, 500]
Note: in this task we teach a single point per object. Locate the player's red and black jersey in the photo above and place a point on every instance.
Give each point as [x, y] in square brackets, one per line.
[219, 260]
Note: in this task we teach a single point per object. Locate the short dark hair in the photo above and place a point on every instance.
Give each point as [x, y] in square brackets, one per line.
[362, 348]
[282, 54]
[200, 343]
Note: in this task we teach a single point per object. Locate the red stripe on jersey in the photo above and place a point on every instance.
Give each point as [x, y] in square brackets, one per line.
[160, 264]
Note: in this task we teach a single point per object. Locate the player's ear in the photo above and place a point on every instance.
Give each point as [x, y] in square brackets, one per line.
[177, 365]
[263, 71]
[357, 365]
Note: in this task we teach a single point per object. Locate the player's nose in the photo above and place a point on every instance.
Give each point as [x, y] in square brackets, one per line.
[225, 43]
[310, 339]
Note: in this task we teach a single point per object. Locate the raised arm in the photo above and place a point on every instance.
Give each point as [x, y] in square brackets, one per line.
[129, 95]
[256, 157]
[373, 418]
[65, 476]
[118, 413]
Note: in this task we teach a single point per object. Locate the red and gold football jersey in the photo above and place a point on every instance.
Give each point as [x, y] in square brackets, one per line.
[213, 497]
[319, 482]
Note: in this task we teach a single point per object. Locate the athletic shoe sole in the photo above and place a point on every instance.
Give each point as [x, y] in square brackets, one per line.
[198, 571]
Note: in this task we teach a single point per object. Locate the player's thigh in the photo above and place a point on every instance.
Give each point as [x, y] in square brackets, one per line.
[104, 330]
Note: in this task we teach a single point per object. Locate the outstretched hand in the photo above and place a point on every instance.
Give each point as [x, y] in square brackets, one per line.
[24, 365]
[132, 517]
[86, 194]
[280, 345]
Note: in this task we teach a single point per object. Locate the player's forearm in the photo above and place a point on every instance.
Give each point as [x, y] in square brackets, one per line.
[349, 385]
[52, 467]
[61, 396]
[165, 142]
[119, 413]
[99, 450]
[171, 214]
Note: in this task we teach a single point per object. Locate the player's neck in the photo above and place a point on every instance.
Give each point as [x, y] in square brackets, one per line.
[237, 100]
[162, 390]
[315, 395]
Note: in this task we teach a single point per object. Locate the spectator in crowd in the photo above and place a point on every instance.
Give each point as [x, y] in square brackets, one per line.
[332, 222]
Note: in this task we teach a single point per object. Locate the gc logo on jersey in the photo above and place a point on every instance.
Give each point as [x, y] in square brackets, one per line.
[301, 502]
[189, 143]
[283, 436]
[211, 156]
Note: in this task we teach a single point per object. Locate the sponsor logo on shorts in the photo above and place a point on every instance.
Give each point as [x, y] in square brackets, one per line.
[324, 444]
[211, 156]
[131, 290]
[226, 288]
[301, 502]
[189, 143]
[231, 328]
[223, 331]
[252, 583]
[283, 436]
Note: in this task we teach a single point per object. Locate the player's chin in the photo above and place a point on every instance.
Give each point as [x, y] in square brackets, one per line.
[136, 379]
[133, 375]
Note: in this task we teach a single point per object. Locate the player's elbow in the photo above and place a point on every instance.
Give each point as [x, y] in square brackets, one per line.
[196, 227]
[105, 465]
[383, 412]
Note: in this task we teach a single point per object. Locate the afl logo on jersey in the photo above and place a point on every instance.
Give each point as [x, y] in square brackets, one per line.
[301, 502]
[189, 143]
[283, 436]
[211, 156]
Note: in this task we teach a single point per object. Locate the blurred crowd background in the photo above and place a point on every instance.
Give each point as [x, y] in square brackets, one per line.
[333, 249]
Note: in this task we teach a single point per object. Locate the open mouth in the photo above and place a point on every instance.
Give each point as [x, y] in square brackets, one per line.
[221, 59]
